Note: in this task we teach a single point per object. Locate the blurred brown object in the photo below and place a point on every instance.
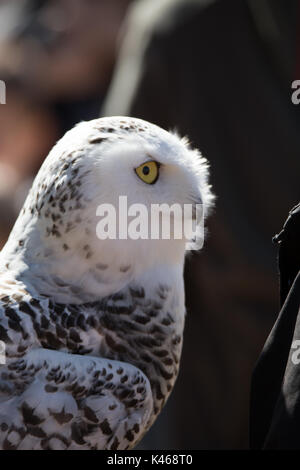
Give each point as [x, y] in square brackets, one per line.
[65, 48]
[27, 131]
[212, 70]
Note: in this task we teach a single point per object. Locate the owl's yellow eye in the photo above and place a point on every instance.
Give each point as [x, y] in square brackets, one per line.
[148, 172]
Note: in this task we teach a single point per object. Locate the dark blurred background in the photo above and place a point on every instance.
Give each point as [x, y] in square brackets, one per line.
[220, 72]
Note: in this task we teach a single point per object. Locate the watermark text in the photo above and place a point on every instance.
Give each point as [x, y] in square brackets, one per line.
[2, 92]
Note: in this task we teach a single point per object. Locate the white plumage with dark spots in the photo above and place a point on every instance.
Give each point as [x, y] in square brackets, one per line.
[93, 328]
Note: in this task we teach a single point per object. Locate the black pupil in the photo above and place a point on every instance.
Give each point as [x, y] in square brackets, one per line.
[146, 170]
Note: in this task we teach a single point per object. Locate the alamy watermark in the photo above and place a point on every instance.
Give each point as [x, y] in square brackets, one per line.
[157, 222]
[295, 358]
[2, 92]
[2, 353]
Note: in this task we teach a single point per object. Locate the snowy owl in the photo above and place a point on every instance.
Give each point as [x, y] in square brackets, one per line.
[91, 329]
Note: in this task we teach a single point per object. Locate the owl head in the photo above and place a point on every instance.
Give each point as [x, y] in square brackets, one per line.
[88, 192]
